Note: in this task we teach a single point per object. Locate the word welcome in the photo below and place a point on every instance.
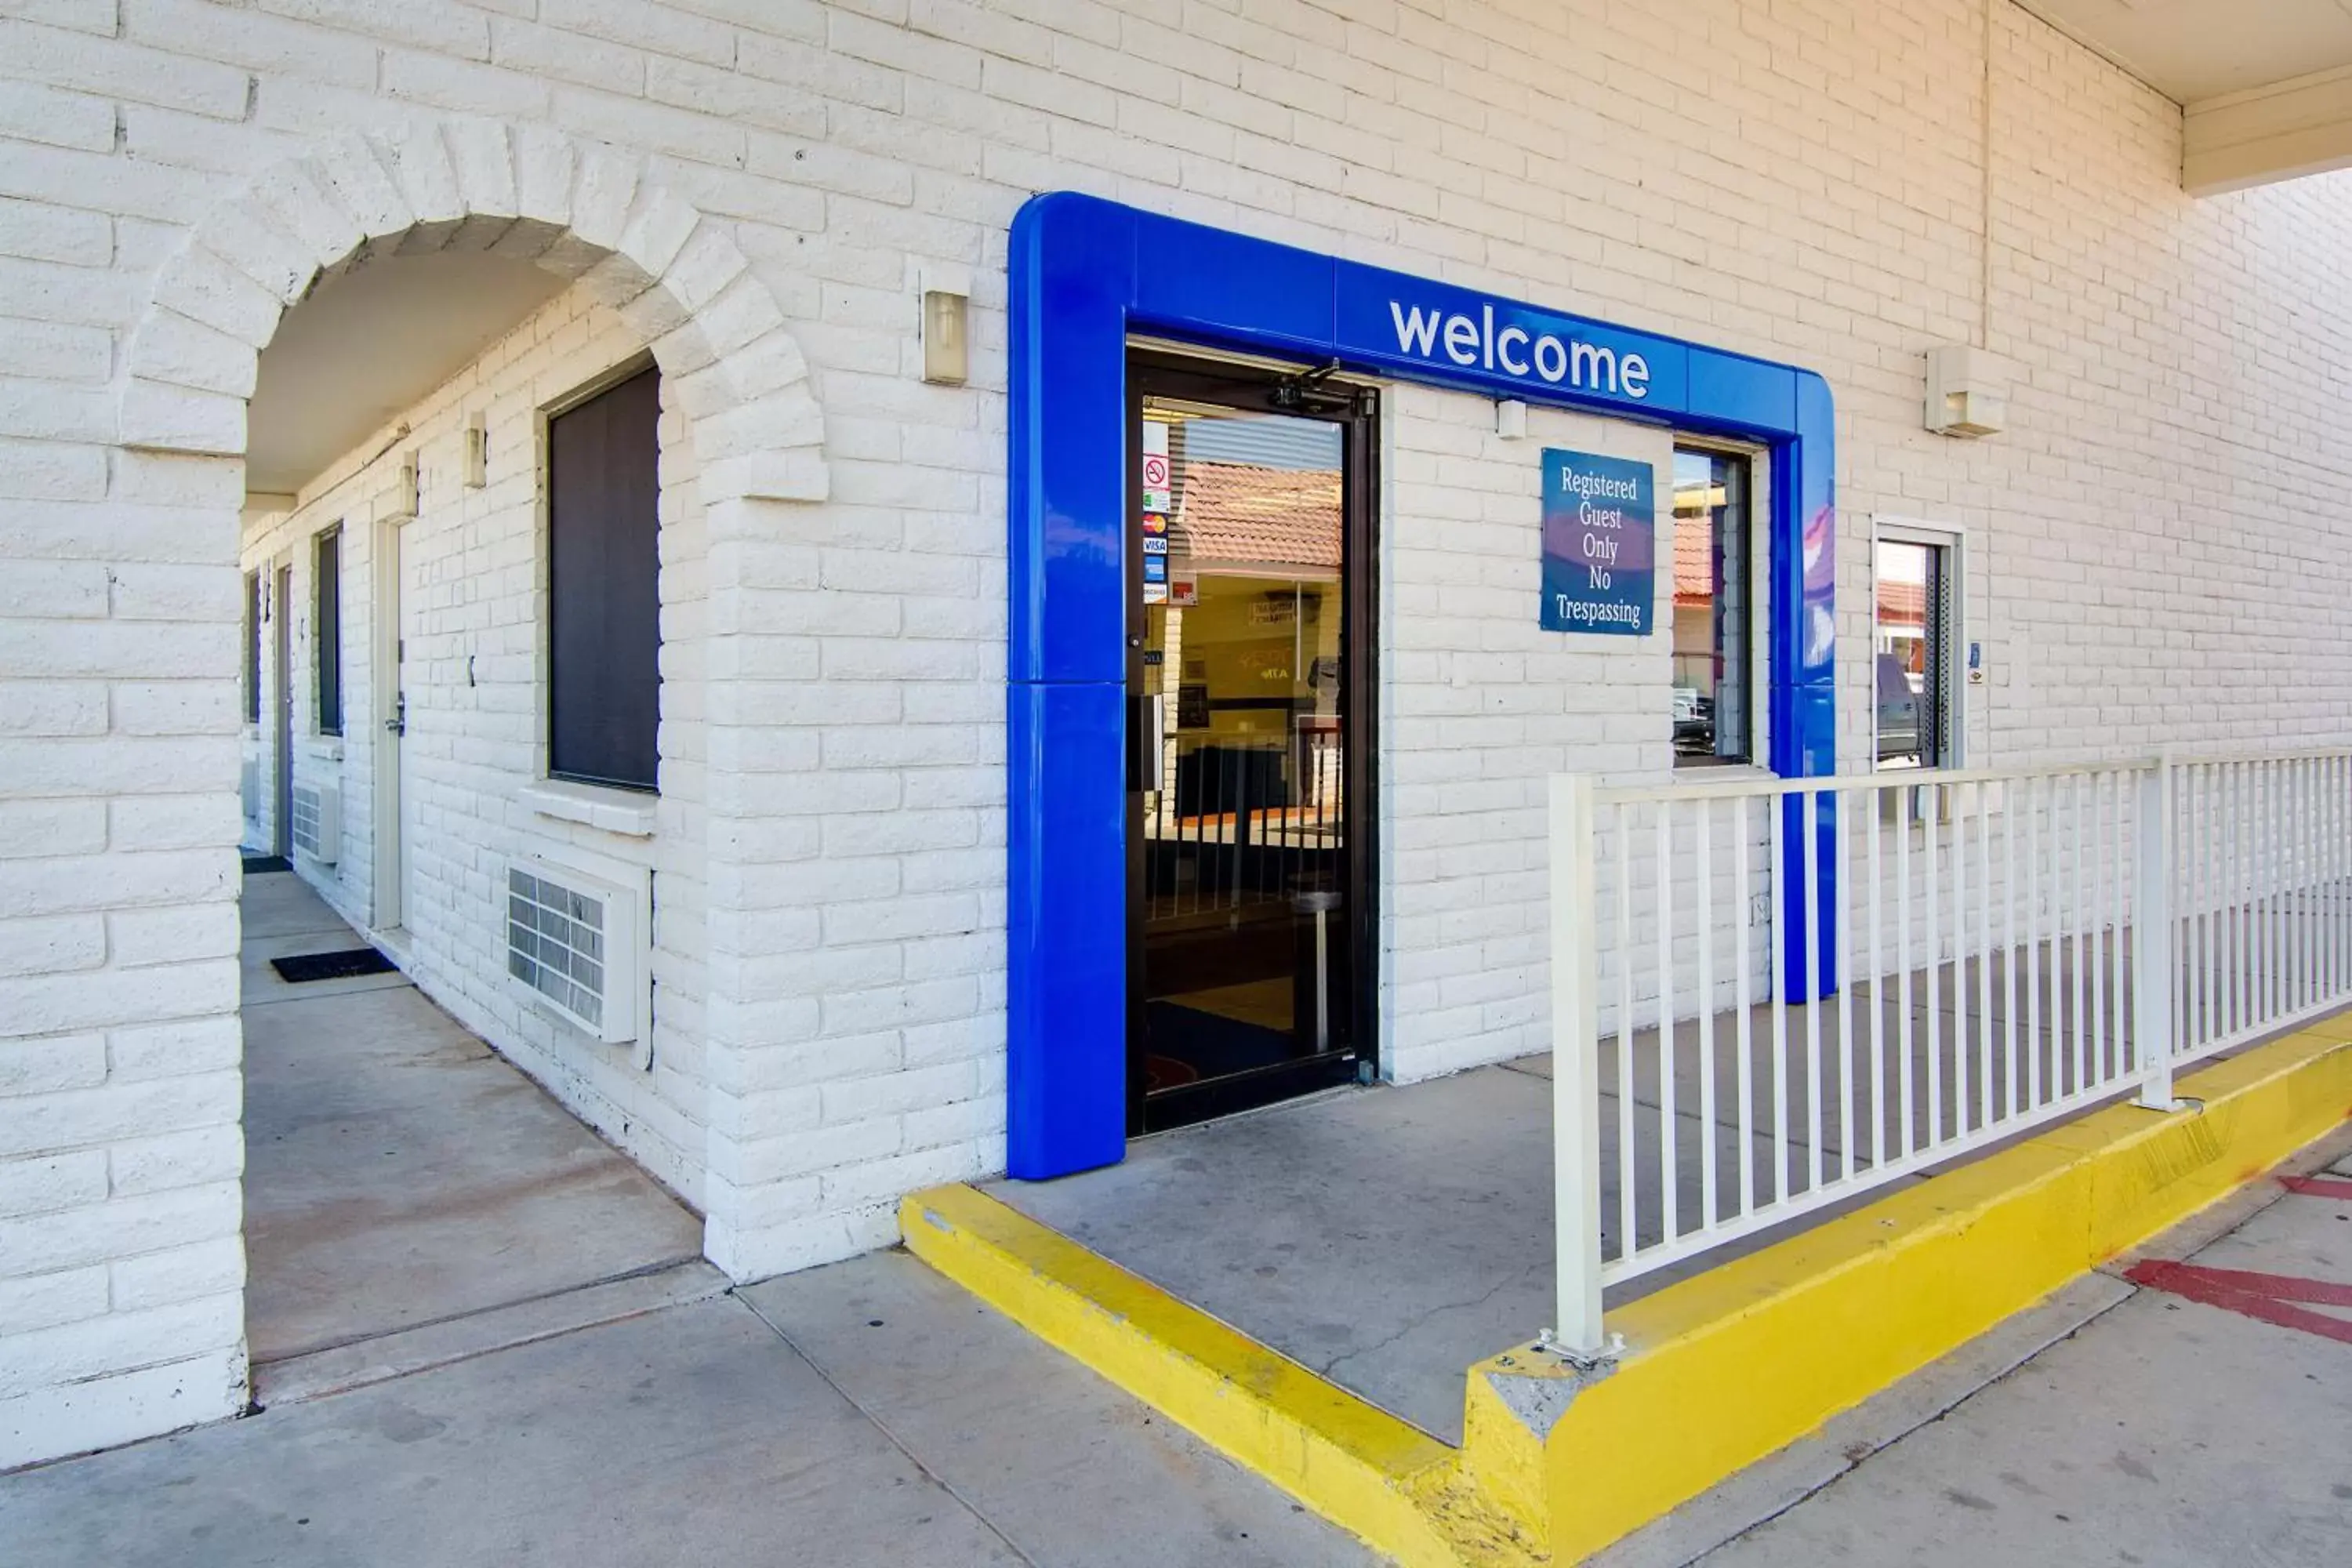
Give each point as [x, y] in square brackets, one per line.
[1513, 351]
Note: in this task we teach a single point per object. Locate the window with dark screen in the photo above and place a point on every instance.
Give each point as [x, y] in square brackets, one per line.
[602, 586]
[253, 648]
[327, 647]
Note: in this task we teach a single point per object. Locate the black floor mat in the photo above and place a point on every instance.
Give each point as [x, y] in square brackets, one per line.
[346, 965]
[254, 863]
[1188, 1044]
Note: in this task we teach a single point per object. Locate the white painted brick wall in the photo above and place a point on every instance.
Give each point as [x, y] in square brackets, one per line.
[2157, 540]
[117, 972]
[1480, 707]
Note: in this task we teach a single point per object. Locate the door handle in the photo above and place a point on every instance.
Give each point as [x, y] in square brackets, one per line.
[398, 723]
[1151, 731]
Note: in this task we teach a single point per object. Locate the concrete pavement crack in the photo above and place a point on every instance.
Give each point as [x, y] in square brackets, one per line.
[937, 1479]
[1331, 1367]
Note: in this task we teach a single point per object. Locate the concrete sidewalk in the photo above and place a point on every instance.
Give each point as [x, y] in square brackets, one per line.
[508, 1354]
[409, 1195]
[866, 1413]
[871, 1413]
[2113, 1424]
[483, 1336]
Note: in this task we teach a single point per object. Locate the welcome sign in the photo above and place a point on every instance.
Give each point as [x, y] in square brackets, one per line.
[1599, 544]
[1450, 333]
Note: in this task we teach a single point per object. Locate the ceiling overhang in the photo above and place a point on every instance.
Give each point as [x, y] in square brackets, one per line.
[2275, 132]
[2265, 90]
[370, 341]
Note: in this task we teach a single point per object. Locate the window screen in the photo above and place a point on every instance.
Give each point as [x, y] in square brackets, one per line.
[1713, 628]
[253, 648]
[604, 591]
[327, 646]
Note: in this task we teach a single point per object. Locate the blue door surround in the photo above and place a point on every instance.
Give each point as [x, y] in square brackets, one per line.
[1085, 273]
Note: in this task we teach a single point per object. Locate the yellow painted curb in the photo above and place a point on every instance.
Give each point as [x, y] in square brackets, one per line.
[1391, 1483]
[1719, 1370]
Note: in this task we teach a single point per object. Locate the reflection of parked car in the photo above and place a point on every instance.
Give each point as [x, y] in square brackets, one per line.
[1898, 712]
[1694, 722]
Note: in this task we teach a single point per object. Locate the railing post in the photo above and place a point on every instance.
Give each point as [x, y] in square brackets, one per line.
[2153, 939]
[1576, 1068]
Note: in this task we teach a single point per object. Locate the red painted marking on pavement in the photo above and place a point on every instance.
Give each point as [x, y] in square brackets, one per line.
[2262, 1297]
[2318, 1186]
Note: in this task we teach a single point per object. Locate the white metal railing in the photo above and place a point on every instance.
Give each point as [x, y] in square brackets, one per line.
[1735, 1045]
[2263, 893]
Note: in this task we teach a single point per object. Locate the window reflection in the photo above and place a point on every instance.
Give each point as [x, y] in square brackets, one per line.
[1910, 648]
[1243, 809]
[1712, 631]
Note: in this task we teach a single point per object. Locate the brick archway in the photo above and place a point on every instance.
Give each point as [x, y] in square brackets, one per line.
[587, 211]
[580, 209]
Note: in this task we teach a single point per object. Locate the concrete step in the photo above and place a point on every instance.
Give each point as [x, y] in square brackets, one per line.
[344, 1367]
[1394, 1486]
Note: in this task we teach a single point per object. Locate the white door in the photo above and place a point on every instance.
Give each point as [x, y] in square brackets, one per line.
[282, 750]
[390, 686]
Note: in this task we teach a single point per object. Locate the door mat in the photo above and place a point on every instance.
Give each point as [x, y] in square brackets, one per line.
[254, 863]
[1209, 1043]
[348, 964]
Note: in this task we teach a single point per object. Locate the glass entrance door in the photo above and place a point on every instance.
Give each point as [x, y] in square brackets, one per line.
[1247, 781]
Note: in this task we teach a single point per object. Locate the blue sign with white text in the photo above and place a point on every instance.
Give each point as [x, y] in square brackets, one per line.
[1451, 333]
[1599, 544]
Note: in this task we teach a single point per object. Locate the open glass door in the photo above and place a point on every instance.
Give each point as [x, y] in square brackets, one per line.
[1249, 778]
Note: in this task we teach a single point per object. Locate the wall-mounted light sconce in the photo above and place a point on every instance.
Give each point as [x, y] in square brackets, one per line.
[400, 506]
[1510, 419]
[947, 324]
[1967, 391]
[476, 458]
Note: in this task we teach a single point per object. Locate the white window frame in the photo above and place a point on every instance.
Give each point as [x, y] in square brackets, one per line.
[1952, 696]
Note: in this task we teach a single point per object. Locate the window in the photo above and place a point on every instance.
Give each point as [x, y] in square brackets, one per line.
[327, 647]
[1915, 579]
[603, 593]
[253, 648]
[1714, 622]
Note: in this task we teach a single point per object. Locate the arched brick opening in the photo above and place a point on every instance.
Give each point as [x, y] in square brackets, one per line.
[587, 211]
[580, 209]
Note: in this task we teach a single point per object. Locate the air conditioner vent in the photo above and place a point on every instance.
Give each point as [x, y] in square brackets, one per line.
[575, 942]
[318, 821]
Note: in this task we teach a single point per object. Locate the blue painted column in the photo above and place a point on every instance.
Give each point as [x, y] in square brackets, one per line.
[1066, 1073]
[1804, 695]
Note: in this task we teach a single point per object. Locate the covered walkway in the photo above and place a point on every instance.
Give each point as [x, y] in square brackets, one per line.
[411, 1197]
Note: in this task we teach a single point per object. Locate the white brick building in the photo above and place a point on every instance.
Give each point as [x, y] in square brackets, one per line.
[754, 200]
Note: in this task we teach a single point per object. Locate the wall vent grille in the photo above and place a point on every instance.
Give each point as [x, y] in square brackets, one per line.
[573, 940]
[317, 825]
